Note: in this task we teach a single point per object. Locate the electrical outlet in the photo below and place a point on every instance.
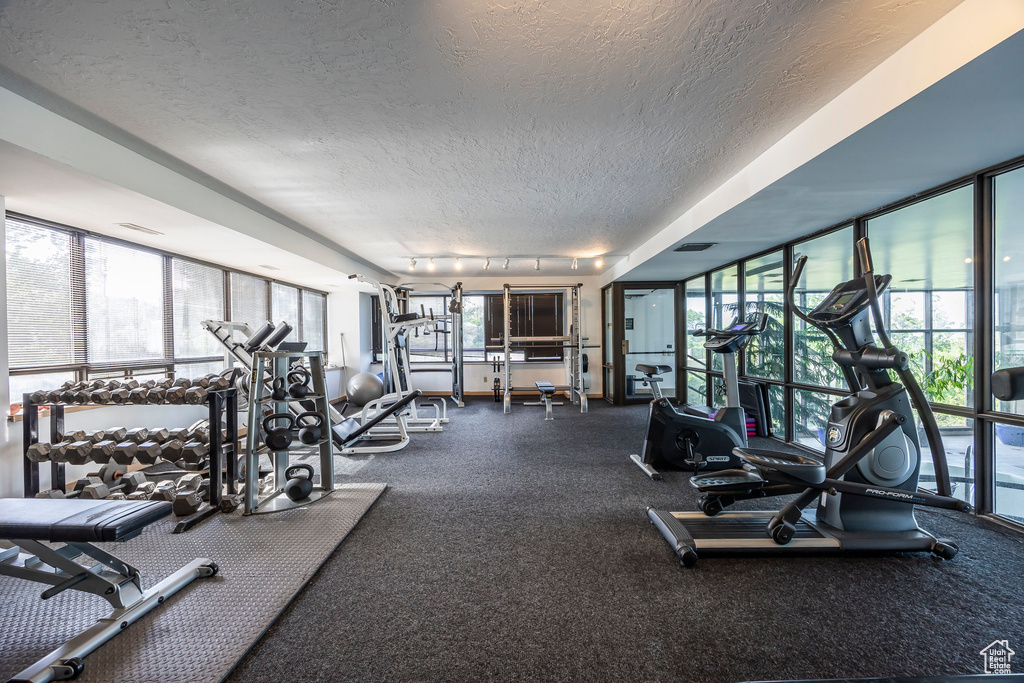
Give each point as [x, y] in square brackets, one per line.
[486, 380]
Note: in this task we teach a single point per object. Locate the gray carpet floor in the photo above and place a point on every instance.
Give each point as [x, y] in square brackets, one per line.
[509, 548]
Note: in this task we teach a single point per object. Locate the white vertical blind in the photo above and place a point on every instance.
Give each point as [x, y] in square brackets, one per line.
[248, 300]
[124, 303]
[284, 304]
[41, 313]
[313, 320]
[198, 296]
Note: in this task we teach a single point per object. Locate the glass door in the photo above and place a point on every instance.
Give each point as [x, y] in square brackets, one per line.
[608, 344]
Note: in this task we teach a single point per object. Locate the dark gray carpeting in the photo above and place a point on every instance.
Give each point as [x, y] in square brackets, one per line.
[510, 548]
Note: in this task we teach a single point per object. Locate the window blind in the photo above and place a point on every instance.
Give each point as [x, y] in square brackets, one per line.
[198, 296]
[45, 321]
[284, 305]
[313, 320]
[124, 299]
[248, 300]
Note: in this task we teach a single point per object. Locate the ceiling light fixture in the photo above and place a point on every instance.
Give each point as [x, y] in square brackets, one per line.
[487, 263]
[458, 263]
[599, 262]
[968, 260]
[138, 228]
[505, 264]
[1005, 259]
[536, 266]
[412, 264]
[575, 264]
[268, 267]
[430, 264]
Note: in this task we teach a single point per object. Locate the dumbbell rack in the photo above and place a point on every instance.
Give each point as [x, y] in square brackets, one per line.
[267, 366]
[223, 448]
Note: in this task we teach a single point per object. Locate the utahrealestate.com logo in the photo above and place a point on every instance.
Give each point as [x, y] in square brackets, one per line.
[997, 657]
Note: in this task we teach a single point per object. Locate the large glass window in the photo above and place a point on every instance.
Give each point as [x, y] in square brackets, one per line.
[198, 296]
[1008, 266]
[472, 328]
[764, 292]
[313, 305]
[928, 248]
[725, 297]
[40, 281]
[248, 300]
[810, 415]
[428, 344]
[124, 303]
[696, 356]
[829, 262]
[284, 306]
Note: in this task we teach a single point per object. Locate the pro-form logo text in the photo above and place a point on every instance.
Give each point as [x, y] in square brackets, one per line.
[891, 494]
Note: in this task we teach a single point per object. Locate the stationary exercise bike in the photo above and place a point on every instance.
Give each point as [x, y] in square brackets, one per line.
[697, 437]
[866, 484]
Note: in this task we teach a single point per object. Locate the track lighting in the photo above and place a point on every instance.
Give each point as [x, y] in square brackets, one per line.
[458, 263]
[430, 264]
[536, 266]
[599, 262]
[412, 264]
[487, 264]
[505, 264]
[575, 264]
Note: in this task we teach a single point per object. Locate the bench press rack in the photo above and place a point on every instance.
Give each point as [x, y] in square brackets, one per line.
[223, 449]
[576, 390]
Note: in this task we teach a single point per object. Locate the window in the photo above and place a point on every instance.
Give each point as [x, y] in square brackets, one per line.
[248, 300]
[695, 304]
[313, 312]
[531, 315]
[829, 262]
[725, 297]
[473, 328]
[284, 306]
[1008, 342]
[429, 344]
[764, 292]
[86, 307]
[124, 302]
[198, 296]
[928, 248]
[40, 286]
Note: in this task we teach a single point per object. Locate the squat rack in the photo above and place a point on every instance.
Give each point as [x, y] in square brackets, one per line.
[576, 390]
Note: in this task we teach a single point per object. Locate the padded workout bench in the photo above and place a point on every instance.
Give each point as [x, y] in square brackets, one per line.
[27, 522]
[547, 390]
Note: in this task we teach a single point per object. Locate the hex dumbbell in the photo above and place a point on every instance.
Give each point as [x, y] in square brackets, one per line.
[99, 452]
[125, 452]
[79, 485]
[176, 395]
[44, 452]
[195, 395]
[125, 485]
[188, 496]
[194, 451]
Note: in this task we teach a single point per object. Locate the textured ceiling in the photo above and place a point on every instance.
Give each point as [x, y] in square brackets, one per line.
[452, 127]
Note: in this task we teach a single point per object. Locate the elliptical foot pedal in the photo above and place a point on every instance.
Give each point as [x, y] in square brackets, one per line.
[731, 482]
[803, 468]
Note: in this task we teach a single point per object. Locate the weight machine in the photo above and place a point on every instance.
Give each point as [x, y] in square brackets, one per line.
[397, 322]
[576, 390]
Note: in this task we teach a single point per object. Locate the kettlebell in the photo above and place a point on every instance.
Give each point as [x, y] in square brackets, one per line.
[310, 433]
[279, 393]
[278, 438]
[299, 481]
[300, 387]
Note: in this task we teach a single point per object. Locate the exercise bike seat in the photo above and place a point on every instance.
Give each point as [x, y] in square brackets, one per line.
[804, 468]
[77, 521]
[651, 370]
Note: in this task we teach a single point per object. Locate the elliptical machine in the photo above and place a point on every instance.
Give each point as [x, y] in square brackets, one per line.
[867, 483]
[697, 437]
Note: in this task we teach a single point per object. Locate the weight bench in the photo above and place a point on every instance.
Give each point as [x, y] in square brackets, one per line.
[350, 431]
[546, 390]
[26, 523]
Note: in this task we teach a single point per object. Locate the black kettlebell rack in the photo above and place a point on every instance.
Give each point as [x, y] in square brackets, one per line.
[267, 367]
[223, 405]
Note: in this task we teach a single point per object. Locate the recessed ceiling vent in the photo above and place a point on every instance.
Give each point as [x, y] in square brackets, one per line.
[695, 246]
[138, 228]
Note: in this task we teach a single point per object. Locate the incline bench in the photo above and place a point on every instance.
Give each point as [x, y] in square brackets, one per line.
[28, 522]
[349, 432]
[546, 390]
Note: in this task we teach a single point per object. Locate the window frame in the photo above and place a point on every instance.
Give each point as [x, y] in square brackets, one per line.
[86, 369]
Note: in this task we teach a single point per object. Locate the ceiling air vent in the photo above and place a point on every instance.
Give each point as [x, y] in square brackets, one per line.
[138, 228]
[695, 246]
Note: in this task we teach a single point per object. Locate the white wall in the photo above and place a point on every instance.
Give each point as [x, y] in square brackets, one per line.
[479, 377]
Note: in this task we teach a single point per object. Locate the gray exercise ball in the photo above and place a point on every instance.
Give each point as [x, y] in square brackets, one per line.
[363, 388]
